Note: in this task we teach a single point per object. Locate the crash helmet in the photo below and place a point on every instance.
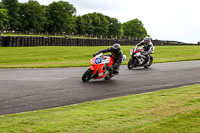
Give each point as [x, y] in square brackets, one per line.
[146, 40]
[116, 47]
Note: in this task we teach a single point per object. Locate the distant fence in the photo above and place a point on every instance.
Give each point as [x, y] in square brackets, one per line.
[18, 41]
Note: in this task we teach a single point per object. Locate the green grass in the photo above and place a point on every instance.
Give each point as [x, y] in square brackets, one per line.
[174, 110]
[60, 56]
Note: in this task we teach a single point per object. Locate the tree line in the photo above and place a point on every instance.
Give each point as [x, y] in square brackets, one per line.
[60, 17]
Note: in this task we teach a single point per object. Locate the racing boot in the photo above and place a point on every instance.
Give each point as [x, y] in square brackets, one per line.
[148, 60]
[109, 68]
[116, 71]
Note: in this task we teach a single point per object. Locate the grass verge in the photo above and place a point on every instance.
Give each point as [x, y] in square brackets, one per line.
[59, 56]
[174, 110]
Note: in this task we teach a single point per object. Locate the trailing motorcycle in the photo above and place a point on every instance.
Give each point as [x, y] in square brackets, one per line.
[138, 59]
[99, 68]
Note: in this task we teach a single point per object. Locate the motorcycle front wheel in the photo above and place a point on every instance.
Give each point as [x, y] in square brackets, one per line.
[132, 63]
[87, 75]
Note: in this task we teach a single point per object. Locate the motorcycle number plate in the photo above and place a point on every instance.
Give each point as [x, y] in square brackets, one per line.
[97, 61]
[106, 60]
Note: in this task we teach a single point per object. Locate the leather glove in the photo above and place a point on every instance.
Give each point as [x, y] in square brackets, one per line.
[94, 55]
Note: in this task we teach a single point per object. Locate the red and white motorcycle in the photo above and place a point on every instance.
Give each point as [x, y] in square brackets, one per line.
[99, 68]
[139, 60]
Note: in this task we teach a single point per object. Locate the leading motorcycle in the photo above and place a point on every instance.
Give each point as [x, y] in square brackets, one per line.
[138, 59]
[99, 68]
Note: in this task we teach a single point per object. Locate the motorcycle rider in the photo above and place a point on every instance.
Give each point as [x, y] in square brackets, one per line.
[147, 46]
[117, 56]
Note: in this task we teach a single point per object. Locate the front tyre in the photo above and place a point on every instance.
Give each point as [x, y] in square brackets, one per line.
[87, 75]
[132, 63]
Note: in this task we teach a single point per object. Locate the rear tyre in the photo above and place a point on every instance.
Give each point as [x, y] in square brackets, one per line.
[87, 75]
[132, 63]
[150, 63]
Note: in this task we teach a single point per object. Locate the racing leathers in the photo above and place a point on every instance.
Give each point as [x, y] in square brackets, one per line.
[117, 56]
[148, 49]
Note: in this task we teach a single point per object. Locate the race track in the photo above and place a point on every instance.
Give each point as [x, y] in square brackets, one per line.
[24, 90]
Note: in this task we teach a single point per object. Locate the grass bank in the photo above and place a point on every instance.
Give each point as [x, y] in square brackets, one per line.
[59, 56]
[175, 110]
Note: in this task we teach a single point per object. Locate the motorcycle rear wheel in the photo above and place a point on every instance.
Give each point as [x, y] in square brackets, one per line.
[87, 75]
[150, 63]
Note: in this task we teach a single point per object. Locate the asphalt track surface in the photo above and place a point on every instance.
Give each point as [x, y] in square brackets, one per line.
[24, 90]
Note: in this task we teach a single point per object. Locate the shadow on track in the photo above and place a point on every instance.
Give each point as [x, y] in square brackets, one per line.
[101, 81]
[141, 69]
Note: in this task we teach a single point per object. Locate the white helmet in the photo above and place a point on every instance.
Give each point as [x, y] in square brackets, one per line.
[147, 39]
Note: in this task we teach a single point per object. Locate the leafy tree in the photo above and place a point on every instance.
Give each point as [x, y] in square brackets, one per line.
[61, 17]
[115, 28]
[84, 24]
[92, 23]
[33, 17]
[100, 23]
[45, 27]
[79, 25]
[13, 13]
[1, 5]
[3, 18]
[134, 28]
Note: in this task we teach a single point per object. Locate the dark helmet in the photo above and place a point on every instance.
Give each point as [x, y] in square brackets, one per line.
[116, 47]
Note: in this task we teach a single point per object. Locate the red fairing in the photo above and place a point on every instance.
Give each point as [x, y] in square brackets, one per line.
[91, 67]
[111, 62]
[137, 51]
[99, 67]
[92, 61]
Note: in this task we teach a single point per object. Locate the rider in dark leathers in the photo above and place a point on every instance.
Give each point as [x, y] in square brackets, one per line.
[147, 46]
[117, 55]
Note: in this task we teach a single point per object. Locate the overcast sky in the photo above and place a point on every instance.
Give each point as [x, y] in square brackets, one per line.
[163, 19]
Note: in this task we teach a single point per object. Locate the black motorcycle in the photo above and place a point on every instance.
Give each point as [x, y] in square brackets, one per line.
[138, 59]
